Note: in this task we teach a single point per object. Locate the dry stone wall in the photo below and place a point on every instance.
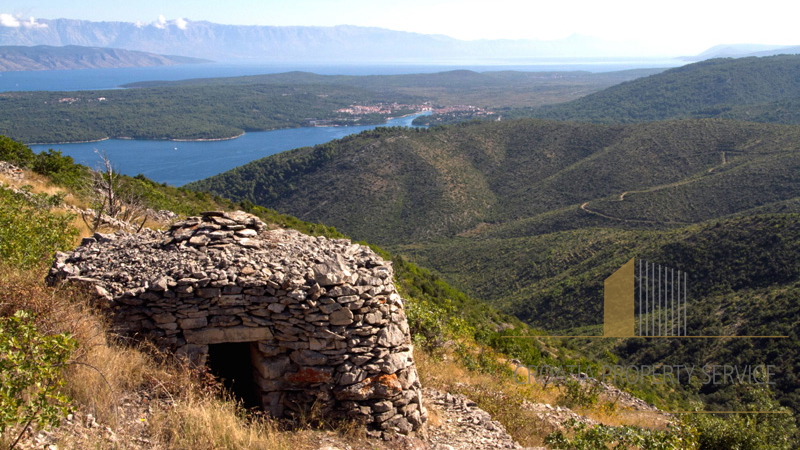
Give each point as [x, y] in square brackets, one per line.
[324, 322]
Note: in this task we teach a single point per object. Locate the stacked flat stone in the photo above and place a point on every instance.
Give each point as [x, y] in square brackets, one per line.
[325, 322]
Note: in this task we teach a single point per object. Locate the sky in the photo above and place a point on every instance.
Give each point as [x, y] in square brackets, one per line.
[675, 27]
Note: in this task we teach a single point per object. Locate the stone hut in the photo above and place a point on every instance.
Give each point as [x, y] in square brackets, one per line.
[291, 321]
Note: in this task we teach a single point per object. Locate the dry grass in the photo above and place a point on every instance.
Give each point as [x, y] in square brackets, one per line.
[508, 400]
[500, 396]
[198, 422]
[40, 184]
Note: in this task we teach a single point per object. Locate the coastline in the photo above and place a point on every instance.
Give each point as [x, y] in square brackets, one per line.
[228, 138]
[70, 142]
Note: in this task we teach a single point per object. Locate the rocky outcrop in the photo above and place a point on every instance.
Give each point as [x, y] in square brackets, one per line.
[324, 323]
[467, 426]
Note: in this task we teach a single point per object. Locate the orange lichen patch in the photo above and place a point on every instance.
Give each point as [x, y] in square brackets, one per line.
[379, 386]
[309, 375]
[388, 383]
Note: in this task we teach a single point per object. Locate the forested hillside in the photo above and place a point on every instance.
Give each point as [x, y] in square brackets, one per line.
[402, 186]
[532, 216]
[759, 89]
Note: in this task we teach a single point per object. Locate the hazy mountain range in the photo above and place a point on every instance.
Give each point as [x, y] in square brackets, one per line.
[294, 43]
[45, 57]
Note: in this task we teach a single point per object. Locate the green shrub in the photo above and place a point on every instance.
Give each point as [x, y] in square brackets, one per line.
[770, 428]
[61, 169]
[584, 437]
[30, 369]
[30, 232]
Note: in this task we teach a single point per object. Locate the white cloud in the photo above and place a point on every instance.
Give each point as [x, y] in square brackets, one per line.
[7, 20]
[161, 22]
[33, 24]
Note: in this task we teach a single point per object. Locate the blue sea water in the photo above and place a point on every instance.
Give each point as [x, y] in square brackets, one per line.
[177, 163]
[90, 79]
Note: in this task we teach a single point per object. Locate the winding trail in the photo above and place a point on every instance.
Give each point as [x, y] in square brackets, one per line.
[654, 189]
[712, 171]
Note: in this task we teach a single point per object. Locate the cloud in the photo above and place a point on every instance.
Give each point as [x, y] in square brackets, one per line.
[161, 22]
[7, 20]
[33, 24]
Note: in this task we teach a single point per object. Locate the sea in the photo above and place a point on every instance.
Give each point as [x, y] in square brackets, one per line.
[178, 163]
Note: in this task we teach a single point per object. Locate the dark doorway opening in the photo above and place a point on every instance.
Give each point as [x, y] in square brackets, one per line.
[231, 364]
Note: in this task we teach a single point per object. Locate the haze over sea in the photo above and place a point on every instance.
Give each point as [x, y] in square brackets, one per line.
[178, 163]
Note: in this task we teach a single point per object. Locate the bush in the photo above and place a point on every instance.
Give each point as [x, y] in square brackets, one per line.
[61, 169]
[771, 428]
[598, 437]
[30, 369]
[29, 233]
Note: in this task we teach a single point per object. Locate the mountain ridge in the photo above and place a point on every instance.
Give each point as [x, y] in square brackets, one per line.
[46, 57]
[340, 43]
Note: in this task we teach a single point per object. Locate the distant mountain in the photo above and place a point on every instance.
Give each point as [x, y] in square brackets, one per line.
[298, 44]
[45, 57]
[765, 89]
[743, 50]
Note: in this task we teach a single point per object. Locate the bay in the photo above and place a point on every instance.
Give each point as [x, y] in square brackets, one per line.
[180, 162]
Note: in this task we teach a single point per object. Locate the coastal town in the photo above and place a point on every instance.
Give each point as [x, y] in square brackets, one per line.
[392, 109]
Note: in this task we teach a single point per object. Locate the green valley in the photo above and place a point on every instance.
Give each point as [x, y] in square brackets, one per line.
[533, 215]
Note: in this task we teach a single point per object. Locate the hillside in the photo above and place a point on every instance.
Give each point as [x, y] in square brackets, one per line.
[409, 186]
[743, 280]
[532, 216]
[117, 392]
[753, 89]
[123, 393]
[742, 51]
[44, 57]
